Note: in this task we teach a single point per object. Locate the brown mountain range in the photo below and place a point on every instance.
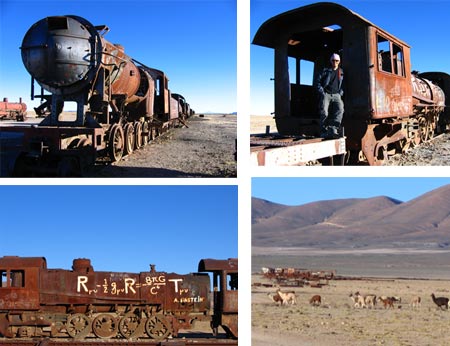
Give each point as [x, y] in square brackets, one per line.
[354, 223]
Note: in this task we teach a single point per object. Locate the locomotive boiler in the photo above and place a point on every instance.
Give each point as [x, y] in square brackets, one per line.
[13, 110]
[39, 302]
[95, 98]
[388, 108]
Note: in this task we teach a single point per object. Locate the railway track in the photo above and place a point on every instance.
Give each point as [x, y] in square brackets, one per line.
[97, 342]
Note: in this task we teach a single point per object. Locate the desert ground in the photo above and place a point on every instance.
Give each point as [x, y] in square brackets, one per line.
[258, 124]
[206, 148]
[336, 321]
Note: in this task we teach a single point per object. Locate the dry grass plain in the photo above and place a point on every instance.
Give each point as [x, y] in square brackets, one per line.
[258, 124]
[337, 322]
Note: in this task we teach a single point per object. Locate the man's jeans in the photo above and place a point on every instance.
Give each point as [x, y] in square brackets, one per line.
[331, 108]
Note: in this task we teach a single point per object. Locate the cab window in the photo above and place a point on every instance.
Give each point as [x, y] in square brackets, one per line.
[16, 278]
[232, 280]
[390, 57]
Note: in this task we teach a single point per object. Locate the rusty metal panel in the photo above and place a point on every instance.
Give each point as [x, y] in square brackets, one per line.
[55, 138]
[175, 292]
[67, 287]
[390, 87]
[125, 76]
[231, 323]
[15, 262]
[168, 290]
[20, 282]
[174, 108]
[230, 301]
[426, 93]
[187, 292]
[210, 265]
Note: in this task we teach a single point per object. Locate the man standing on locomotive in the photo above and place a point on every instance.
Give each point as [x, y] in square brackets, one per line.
[331, 107]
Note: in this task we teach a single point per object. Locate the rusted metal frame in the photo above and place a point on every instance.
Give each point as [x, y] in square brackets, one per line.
[57, 134]
[299, 154]
[53, 342]
[370, 144]
[283, 142]
[282, 82]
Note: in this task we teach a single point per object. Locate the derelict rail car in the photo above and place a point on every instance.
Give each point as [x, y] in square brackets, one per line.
[388, 108]
[121, 104]
[13, 110]
[82, 303]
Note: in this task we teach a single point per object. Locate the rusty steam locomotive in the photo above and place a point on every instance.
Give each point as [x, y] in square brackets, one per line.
[79, 303]
[13, 110]
[121, 104]
[388, 108]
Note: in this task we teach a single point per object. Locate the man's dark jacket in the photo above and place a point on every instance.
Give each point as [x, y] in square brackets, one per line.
[324, 78]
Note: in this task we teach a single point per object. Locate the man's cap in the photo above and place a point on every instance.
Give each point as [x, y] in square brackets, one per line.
[335, 57]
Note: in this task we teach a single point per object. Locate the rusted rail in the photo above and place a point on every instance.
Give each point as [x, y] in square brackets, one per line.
[72, 342]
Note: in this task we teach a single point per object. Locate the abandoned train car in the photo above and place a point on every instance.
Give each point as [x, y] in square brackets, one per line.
[120, 104]
[13, 110]
[388, 108]
[36, 301]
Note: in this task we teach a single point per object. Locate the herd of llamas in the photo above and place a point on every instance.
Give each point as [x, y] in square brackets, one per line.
[359, 300]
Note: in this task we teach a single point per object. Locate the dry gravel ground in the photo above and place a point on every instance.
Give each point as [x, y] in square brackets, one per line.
[433, 153]
[205, 149]
[337, 322]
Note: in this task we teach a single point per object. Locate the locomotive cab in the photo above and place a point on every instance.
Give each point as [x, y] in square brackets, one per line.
[225, 294]
[20, 282]
[19, 289]
[378, 86]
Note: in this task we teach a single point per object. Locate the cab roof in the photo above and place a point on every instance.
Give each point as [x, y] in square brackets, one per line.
[307, 18]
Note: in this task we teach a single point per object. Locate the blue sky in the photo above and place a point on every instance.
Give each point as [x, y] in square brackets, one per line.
[193, 41]
[120, 228]
[298, 191]
[421, 24]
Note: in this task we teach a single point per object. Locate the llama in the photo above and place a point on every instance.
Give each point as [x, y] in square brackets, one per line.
[315, 300]
[388, 302]
[358, 300]
[370, 300]
[275, 298]
[441, 302]
[287, 297]
[415, 302]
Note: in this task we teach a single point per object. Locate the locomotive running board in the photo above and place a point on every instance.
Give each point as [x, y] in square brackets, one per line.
[273, 152]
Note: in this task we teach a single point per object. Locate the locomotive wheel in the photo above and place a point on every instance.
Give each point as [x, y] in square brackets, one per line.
[105, 326]
[157, 327]
[129, 138]
[116, 143]
[78, 326]
[138, 135]
[129, 325]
